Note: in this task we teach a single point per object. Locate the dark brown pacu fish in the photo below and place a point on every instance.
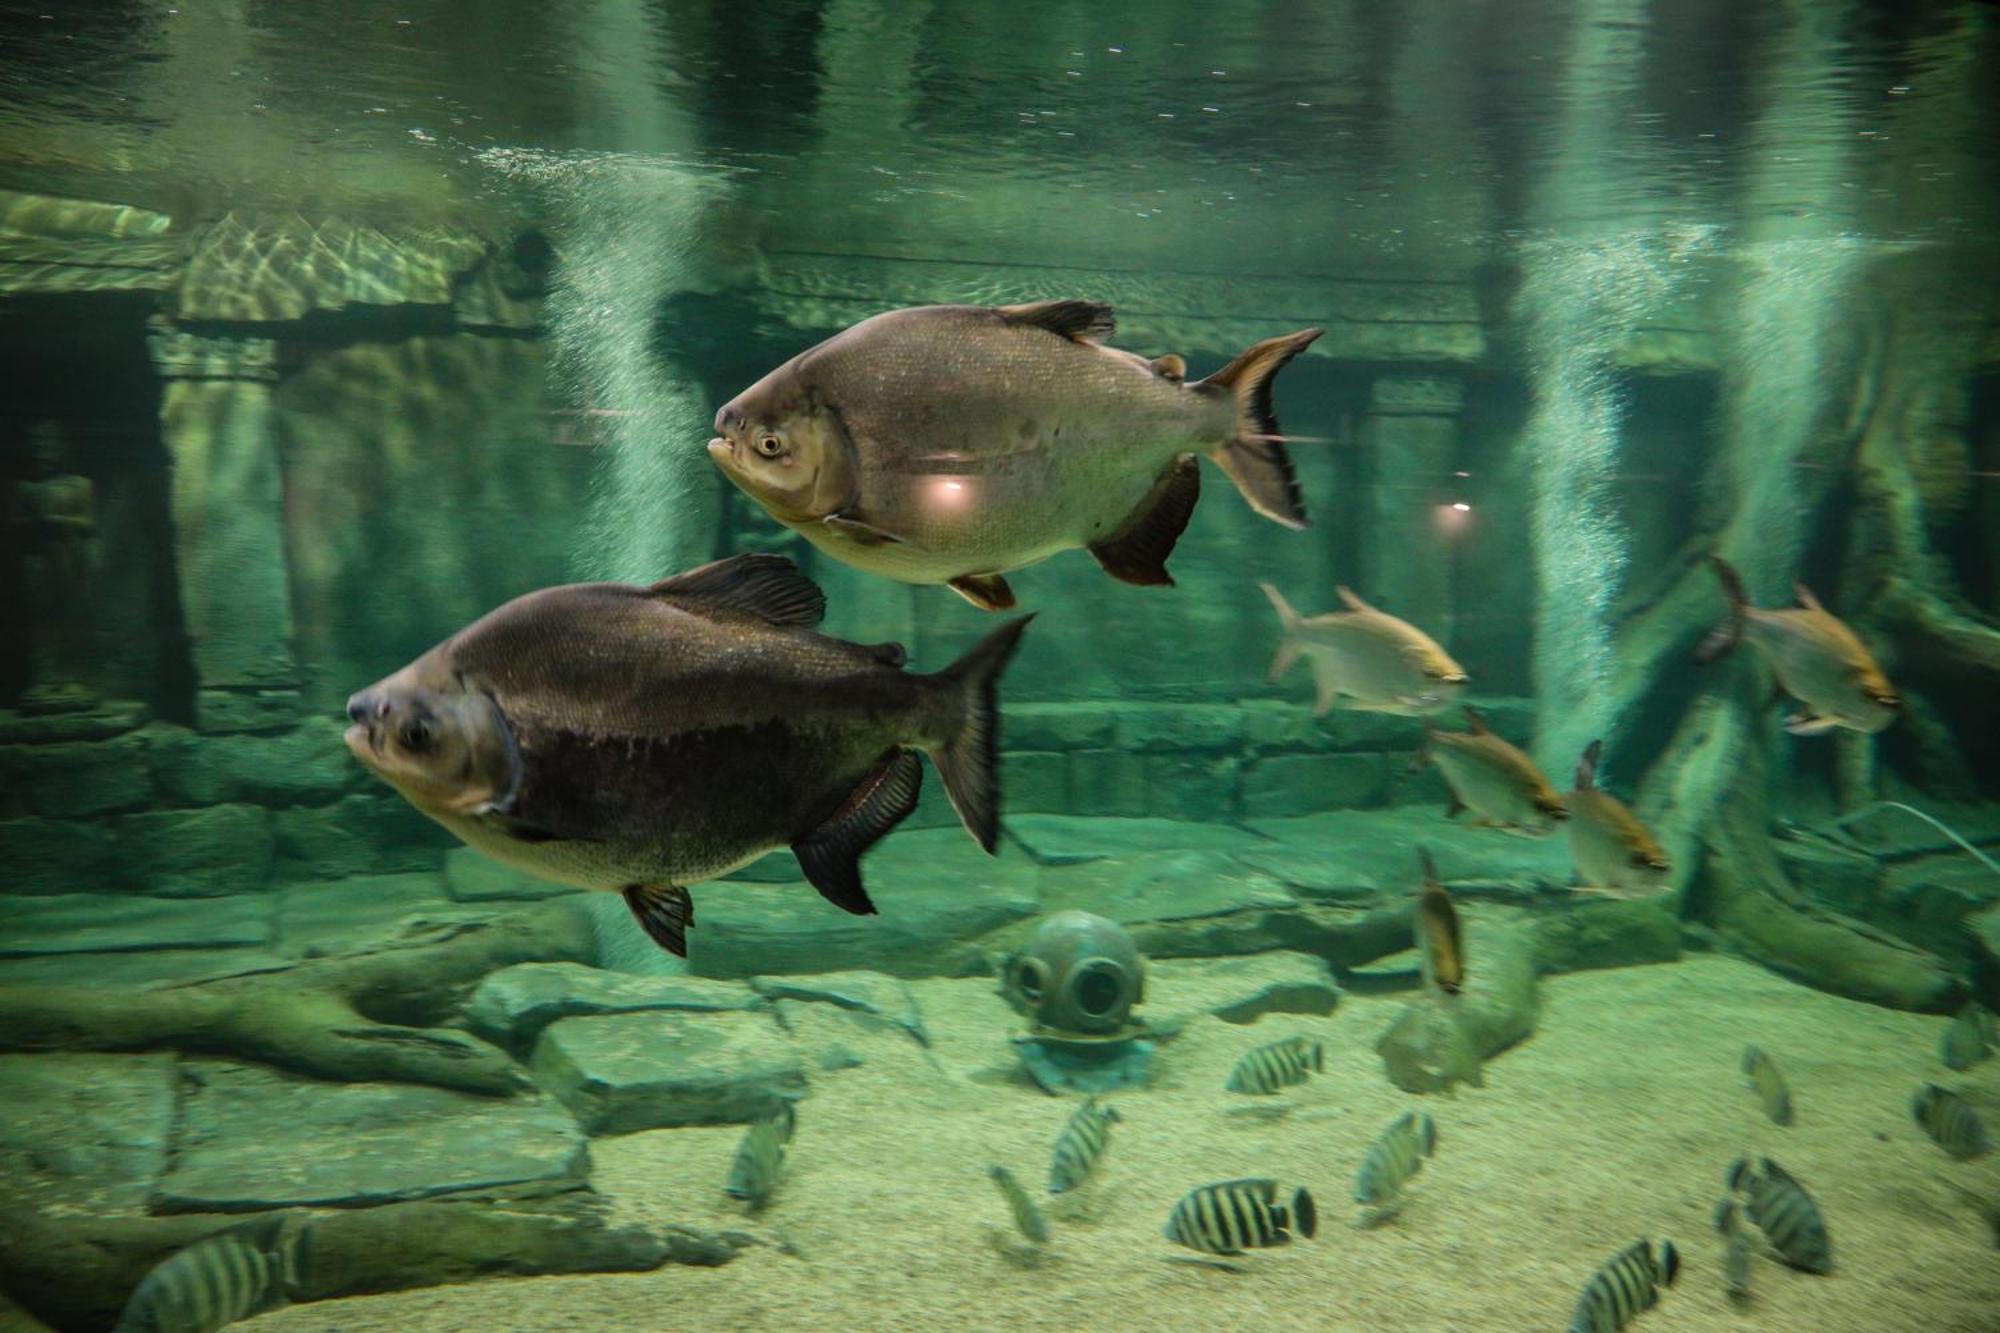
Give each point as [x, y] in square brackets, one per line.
[1438, 933]
[952, 443]
[641, 739]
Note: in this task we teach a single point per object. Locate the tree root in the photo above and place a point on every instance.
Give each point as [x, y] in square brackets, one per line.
[76, 1272]
[364, 1016]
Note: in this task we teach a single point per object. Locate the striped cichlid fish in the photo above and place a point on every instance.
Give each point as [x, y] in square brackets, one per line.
[1951, 1122]
[1280, 1065]
[753, 1174]
[1396, 1156]
[1028, 1219]
[231, 1275]
[1625, 1288]
[1786, 1214]
[1817, 659]
[1081, 1145]
[1968, 1038]
[1735, 1251]
[1495, 780]
[1237, 1215]
[1769, 1084]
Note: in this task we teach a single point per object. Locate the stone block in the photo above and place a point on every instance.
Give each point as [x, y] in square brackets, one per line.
[306, 765]
[623, 1072]
[1305, 784]
[1237, 990]
[1178, 728]
[1108, 783]
[75, 778]
[252, 1138]
[357, 835]
[85, 1132]
[1036, 781]
[1193, 787]
[871, 993]
[56, 856]
[218, 850]
[1276, 726]
[1377, 849]
[472, 877]
[1592, 932]
[1058, 726]
[511, 1007]
[320, 917]
[111, 717]
[136, 967]
[99, 923]
[936, 896]
[247, 710]
[1068, 839]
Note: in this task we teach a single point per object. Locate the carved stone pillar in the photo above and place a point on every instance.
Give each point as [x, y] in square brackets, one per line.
[1412, 431]
[227, 503]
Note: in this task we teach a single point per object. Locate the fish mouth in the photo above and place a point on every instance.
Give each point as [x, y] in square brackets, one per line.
[363, 743]
[722, 451]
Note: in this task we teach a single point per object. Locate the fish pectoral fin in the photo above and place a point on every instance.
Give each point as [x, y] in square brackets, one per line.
[1079, 321]
[664, 911]
[830, 855]
[1809, 724]
[890, 654]
[860, 531]
[1138, 553]
[769, 587]
[988, 592]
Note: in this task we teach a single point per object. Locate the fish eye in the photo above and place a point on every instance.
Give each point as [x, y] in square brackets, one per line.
[416, 734]
[770, 445]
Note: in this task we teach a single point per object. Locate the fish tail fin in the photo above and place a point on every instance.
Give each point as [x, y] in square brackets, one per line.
[965, 759]
[1729, 633]
[1305, 1214]
[1254, 454]
[1288, 647]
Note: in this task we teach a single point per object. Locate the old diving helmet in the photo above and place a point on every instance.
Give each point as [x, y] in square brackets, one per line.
[1078, 976]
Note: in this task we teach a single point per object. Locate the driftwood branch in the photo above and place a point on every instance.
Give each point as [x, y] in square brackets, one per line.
[369, 1015]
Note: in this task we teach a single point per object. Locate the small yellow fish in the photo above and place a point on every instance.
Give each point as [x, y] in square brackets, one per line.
[1366, 660]
[1438, 933]
[1817, 659]
[1493, 779]
[1614, 852]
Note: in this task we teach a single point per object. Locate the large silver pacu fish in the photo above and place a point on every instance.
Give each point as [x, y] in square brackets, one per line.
[950, 444]
[642, 739]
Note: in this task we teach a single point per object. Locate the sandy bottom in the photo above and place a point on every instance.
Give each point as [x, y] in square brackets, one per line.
[1615, 1121]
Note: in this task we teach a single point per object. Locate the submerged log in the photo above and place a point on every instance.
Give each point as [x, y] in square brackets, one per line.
[364, 1016]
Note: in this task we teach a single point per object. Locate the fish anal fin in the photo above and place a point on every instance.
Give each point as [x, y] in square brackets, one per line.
[860, 531]
[1806, 598]
[1138, 553]
[830, 855]
[1078, 320]
[1349, 600]
[769, 587]
[1170, 367]
[988, 592]
[663, 911]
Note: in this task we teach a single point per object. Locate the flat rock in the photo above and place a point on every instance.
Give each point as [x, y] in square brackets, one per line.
[625, 1072]
[936, 895]
[470, 877]
[1831, 874]
[1237, 990]
[1163, 886]
[869, 993]
[139, 967]
[1592, 932]
[253, 1138]
[85, 1131]
[97, 923]
[1376, 850]
[511, 1007]
[107, 719]
[334, 916]
[1073, 839]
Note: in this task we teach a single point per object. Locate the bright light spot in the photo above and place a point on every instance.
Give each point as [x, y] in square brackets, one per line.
[949, 495]
[1462, 507]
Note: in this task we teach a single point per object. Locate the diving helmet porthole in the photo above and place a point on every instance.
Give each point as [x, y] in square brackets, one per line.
[1098, 986]
[1031, 980]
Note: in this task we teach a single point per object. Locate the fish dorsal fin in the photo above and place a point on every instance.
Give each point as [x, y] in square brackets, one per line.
[1263, 1187]
[1806, 598]
[769, 587]
[1586, 766]
[1170, 367]
[1476, 721]
[1079, 321]
[1349, 600]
